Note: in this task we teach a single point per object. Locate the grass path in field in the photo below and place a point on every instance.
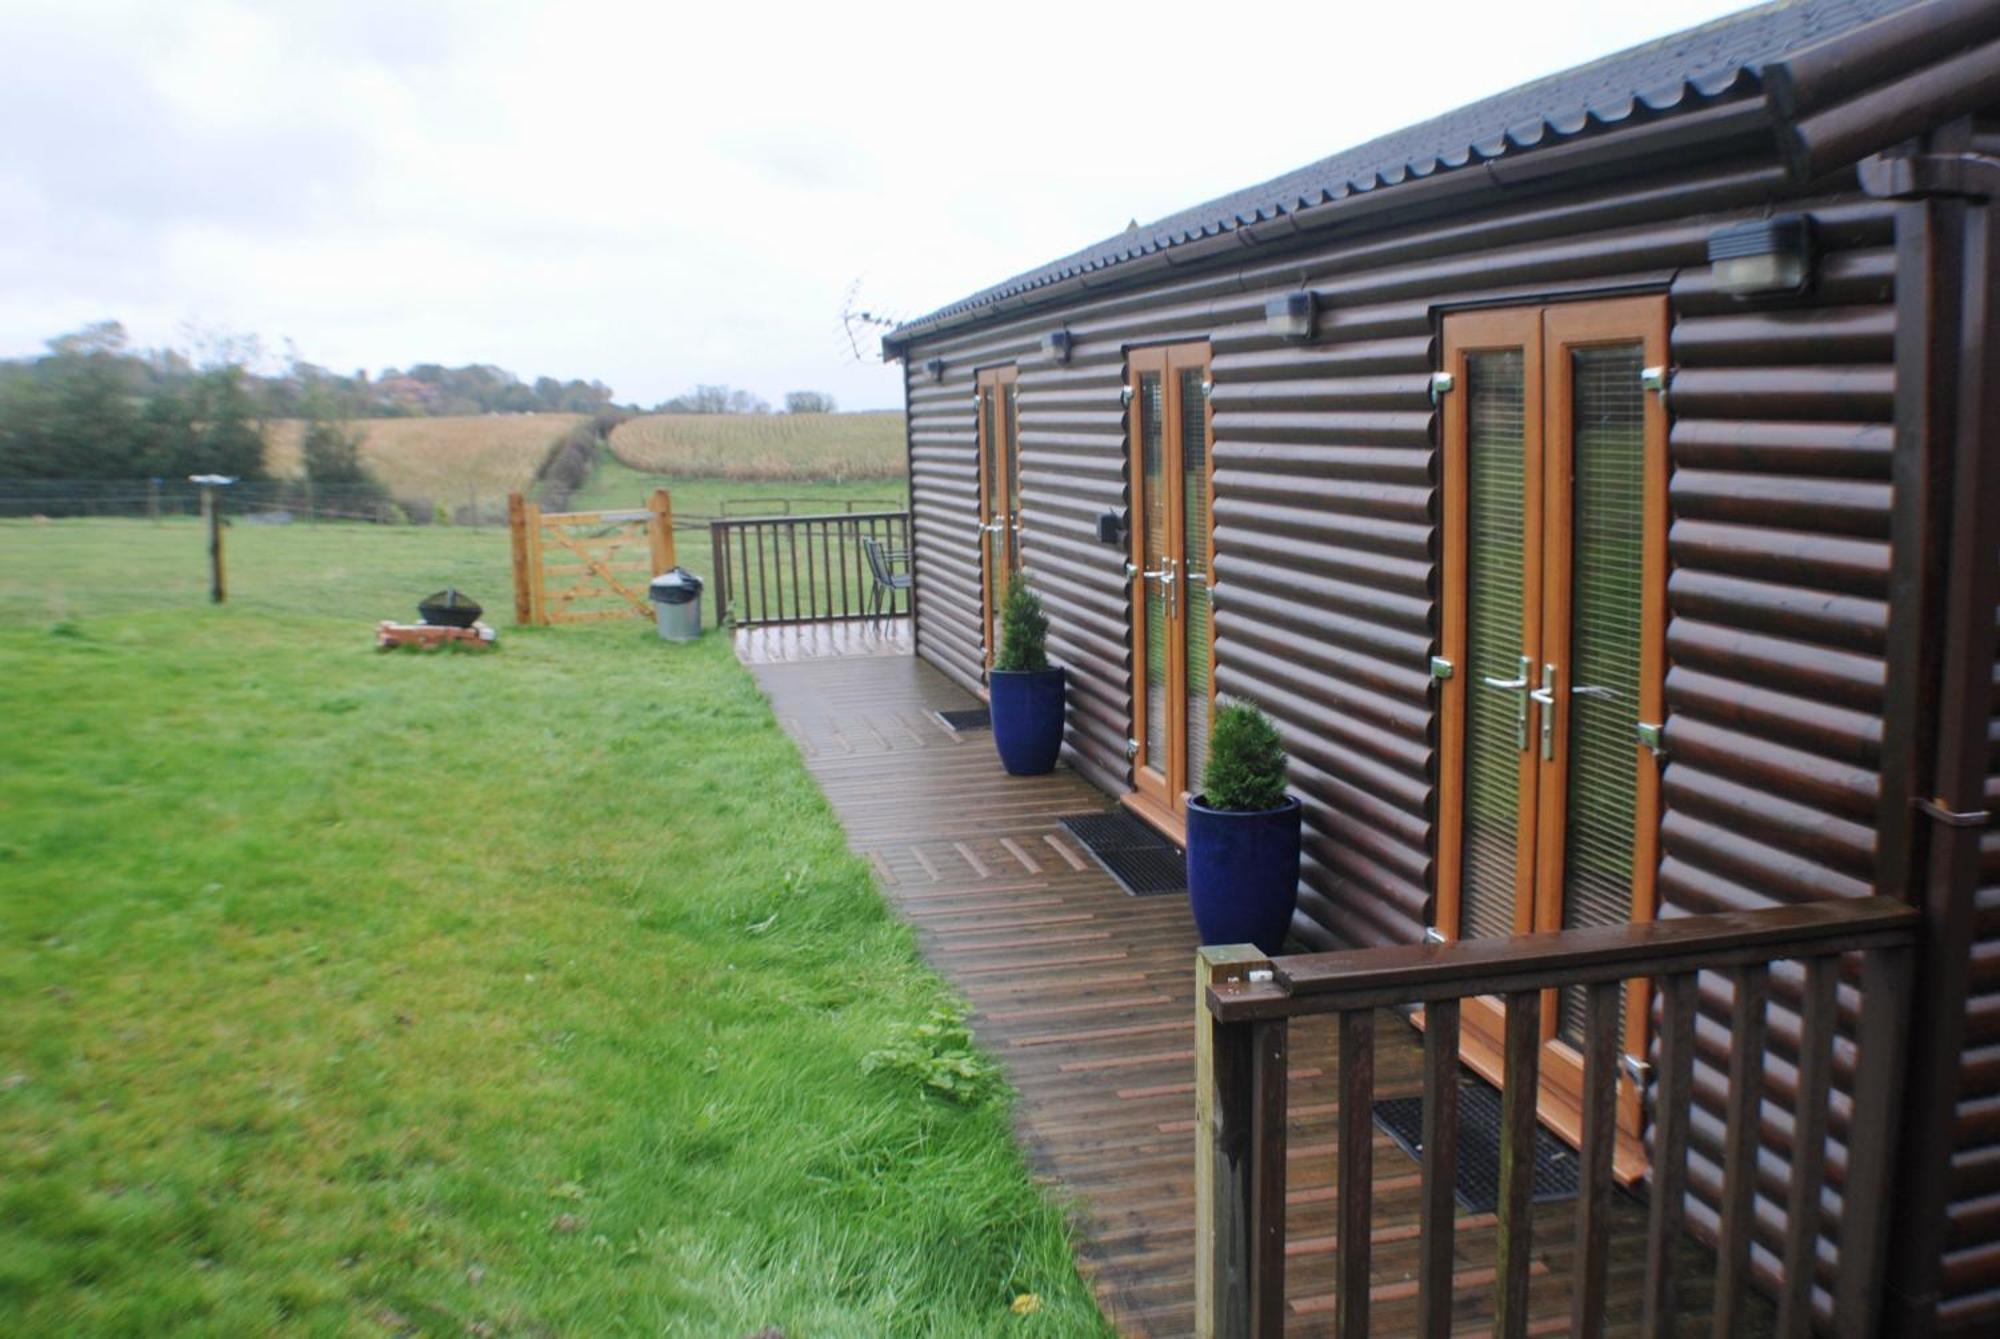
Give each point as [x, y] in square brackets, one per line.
[525, 993]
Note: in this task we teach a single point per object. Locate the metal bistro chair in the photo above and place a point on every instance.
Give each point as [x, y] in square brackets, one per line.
[882, 566]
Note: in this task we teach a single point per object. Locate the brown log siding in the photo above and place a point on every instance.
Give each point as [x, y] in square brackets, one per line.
[1327, 550]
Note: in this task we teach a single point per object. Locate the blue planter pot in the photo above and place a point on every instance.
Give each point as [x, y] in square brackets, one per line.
[1243, 873]
[1027, 708]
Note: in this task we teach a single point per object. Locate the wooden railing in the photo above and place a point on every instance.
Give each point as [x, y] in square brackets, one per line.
[1244, 1002]
[806, 569]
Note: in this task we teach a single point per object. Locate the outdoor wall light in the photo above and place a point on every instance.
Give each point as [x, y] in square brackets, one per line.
[936, 368]
[1762, 257]
[1290, 315]
[1056, 346]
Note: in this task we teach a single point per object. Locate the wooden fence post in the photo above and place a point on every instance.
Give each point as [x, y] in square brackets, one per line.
[661, 530]
[517, 535]
[531, 517]
[211, 509]
[1240, 1078]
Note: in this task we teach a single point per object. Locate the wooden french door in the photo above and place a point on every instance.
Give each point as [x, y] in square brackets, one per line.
[999, 497]
[1554, 618]
[1172, 550]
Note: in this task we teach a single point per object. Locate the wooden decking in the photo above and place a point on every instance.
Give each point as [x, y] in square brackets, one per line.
[782, 643]
[1086, 994]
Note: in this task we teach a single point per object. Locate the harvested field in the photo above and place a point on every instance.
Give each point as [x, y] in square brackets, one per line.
[440, 458]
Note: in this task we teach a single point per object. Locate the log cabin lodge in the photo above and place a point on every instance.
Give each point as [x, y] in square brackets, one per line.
[1599, 486]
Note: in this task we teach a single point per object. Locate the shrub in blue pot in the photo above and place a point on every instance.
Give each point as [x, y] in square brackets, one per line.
[1243, 835]
[1023, 690]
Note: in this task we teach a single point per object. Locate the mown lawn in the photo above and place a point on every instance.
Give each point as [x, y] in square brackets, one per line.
[526, 993]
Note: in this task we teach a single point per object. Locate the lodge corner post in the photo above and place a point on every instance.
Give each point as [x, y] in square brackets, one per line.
[1240, 1095]
[1942, 649]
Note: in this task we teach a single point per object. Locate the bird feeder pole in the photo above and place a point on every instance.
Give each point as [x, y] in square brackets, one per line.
[211, 512]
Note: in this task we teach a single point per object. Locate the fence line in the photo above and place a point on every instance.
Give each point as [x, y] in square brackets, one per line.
[271, 501]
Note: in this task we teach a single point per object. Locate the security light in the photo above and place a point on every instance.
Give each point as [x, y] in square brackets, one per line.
[1056, 346]
[1762, 257]
[1290, 315]
[936, 368]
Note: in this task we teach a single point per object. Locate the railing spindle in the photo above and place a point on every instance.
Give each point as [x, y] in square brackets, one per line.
[1440, 1169]
[792, 533]
[1517, 1161]
[812, 577]
[1600, 1133]
[1355, 1176]
[1673, 1098]
[1739, 1151]
[1817, 1021]
[829, 536]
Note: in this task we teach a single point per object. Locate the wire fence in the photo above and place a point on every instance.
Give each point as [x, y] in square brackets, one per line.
[266, 501]
[300, 501]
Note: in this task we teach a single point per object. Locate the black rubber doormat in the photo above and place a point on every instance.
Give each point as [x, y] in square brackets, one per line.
[1478, 1188]
[965, 719]
[1144, 863]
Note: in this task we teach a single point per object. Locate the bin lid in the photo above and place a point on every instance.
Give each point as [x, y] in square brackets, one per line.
[675, 587]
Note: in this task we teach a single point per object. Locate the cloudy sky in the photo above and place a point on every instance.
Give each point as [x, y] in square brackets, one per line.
[658, 194]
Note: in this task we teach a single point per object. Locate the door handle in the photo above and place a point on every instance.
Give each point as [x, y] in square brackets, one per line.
[1545, 696]
[1518, 687]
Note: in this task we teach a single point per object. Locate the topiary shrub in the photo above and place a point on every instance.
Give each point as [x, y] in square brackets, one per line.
[1024, 628]
[1246, 761]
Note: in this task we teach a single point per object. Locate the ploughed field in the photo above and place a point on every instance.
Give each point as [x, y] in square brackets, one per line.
[527, 992]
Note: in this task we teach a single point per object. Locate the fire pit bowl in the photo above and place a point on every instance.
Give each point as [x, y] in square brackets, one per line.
[449, 609]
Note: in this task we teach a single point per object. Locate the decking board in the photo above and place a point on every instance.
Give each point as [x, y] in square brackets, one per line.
[1085, 995]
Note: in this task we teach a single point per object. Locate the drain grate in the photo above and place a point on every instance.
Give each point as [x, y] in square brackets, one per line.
[1478, 1188]
[1144, 863]
[968, 718]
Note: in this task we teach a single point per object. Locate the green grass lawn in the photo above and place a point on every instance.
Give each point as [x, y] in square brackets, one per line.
[520, 993]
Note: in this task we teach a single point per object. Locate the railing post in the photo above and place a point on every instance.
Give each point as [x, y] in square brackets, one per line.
[718, 567]
[1878, 1081]
[1240, 1092]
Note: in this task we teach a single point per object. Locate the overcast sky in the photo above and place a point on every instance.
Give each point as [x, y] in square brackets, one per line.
[658, 194]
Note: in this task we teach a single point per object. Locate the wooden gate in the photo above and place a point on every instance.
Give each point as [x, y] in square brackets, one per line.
[585, 554]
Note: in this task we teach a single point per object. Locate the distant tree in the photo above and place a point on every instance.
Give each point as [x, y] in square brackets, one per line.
[78, 411]
[331, 444]
[808, 402]
[206, 423]
[707, 399]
